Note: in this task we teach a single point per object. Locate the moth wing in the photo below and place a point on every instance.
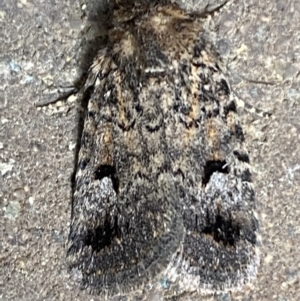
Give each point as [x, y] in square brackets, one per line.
[124, 226]
[212, 174]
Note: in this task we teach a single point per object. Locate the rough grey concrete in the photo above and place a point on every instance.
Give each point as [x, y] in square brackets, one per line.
[38, 41]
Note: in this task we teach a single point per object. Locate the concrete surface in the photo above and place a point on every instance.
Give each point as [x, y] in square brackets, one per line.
[38, 43]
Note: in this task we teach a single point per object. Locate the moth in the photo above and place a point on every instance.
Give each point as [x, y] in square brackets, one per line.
[163, 200]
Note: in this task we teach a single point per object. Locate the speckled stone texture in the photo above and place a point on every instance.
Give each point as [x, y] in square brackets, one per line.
[39, 42]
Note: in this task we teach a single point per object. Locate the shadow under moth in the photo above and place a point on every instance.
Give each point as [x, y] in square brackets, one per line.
[163, 199]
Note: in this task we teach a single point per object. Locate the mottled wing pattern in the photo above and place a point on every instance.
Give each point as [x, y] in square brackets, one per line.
[124, 226]
[212, 173]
